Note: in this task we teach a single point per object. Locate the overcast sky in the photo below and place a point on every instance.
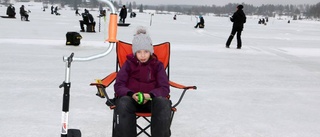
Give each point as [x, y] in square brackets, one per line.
[221, 2]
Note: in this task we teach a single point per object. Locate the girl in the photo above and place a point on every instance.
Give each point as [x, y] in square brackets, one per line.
[143, 74]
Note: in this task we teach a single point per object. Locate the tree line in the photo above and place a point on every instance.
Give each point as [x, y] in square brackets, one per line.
[309, 11]
[314, 11]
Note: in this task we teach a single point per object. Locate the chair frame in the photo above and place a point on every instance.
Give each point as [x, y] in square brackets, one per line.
[101, 86]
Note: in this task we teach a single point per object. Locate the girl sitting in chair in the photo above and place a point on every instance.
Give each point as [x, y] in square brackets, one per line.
[142, 77]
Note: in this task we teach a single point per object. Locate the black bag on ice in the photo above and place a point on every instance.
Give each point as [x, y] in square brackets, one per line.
[73, 38]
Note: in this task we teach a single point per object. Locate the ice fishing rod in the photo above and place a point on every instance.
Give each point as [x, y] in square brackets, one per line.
[66, 132]
[151, 19]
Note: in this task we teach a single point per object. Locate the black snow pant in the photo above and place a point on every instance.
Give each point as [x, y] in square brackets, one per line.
[198, 25]
[82, 23]
[26, 16]
[125, 117]
[233, 32]
[123, 20]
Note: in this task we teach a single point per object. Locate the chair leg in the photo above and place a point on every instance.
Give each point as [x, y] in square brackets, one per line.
[143, 130]
[114, 123]
[171, 118]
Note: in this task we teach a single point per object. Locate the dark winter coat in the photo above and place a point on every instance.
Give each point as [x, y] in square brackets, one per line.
[123, 13]
[201, 20]
[238, 19]
[87, 17]
[23, 12]
[11, 11]
[149, 77]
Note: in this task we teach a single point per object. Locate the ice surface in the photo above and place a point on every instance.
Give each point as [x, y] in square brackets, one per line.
[269, 88]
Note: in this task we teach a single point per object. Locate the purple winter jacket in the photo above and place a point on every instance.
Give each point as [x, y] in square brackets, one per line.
[149, 77]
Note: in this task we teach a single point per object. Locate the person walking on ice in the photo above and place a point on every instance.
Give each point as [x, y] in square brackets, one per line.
[238, 19]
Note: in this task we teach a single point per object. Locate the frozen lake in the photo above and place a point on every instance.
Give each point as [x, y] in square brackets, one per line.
[269, 88]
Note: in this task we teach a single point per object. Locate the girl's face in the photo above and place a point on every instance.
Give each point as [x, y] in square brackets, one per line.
[143, 55]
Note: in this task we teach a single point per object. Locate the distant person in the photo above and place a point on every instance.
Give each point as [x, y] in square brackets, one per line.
[103, 13]
[87, 19]
[56, 10]
[260, 21]
[238, 19]
[11, 11]
[267, 19]
[52, 8]
[77, 12]
[24, 13]
[133, 15]
[175, 17]
[123, 14]
[200, 24]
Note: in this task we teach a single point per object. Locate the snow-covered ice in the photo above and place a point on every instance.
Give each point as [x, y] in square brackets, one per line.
[269, 88]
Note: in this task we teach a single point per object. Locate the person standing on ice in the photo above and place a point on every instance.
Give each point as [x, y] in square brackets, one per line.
[52, 8]
[123, 14]
[238, 19]
[142, 73]
[11, 11]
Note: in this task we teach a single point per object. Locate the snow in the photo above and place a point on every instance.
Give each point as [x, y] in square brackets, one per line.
[269, 88]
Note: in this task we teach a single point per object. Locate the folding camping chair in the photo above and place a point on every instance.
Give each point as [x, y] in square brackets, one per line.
[162, 51]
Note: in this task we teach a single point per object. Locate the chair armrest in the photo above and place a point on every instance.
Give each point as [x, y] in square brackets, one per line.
[179, 86]
[105, 82]
[101, 87]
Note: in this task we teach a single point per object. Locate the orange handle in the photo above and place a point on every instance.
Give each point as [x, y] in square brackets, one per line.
[113, 28]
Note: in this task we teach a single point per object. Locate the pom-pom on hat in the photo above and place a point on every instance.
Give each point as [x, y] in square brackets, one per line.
[141, 41]
[240, 7]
